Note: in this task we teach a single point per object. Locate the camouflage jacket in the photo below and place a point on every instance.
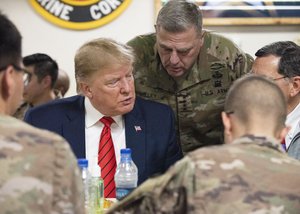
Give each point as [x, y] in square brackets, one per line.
[39, 172]
[199, 99]
[23, 108]
[251, 175]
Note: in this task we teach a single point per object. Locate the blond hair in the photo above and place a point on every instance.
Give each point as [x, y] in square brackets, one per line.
[100, 54]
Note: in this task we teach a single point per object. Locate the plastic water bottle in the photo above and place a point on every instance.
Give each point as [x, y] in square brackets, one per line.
[83, 165]
[96, 191]
[126, 176]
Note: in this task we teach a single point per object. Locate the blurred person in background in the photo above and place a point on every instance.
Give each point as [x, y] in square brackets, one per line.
[39, 87]
[62, 83]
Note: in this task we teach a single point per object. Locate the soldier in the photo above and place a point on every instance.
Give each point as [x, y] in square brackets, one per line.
[39, 173]
[189, 69]
[250, 173]
[39, 87]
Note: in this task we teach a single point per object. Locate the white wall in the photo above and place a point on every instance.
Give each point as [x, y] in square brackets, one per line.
[41, 36]
[251, 38]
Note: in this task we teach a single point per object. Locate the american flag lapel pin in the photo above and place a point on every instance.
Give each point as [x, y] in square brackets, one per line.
[137, 128]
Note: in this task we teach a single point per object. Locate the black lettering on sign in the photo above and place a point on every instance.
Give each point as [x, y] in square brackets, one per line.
[80, 15]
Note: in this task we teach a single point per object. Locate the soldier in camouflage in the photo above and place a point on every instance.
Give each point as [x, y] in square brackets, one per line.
[251, 173]
[189, 69]
[39, 87]
[39, 172]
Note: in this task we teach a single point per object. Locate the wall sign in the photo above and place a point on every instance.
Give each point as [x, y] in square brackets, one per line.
[80, 14]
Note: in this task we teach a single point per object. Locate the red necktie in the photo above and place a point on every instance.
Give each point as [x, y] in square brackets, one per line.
[107, 159]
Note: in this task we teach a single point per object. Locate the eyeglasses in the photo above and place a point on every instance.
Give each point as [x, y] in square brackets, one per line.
[26, 75]
[274, 79]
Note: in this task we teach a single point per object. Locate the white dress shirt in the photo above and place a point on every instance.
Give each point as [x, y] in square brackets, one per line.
[293, 120]
[93, 129]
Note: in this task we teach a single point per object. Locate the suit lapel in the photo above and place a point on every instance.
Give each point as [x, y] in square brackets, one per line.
[73, 128]
[135, 131]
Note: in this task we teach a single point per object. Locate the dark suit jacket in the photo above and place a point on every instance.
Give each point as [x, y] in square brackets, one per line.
[154, 147]
[294, 148]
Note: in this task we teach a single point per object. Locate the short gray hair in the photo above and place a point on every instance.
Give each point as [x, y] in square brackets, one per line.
[179, 15]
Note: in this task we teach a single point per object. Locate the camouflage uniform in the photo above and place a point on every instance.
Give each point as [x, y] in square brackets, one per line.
[251, 175]
[199, 99]
[39, 173]
[24, 107]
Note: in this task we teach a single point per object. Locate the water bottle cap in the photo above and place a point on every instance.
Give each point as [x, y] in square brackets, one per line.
[83, 162]
[126, 151]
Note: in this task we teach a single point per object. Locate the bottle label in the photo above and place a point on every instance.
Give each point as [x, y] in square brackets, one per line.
[96, 199]
[122, 192]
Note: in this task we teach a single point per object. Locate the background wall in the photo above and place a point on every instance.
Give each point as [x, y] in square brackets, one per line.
[39, 35]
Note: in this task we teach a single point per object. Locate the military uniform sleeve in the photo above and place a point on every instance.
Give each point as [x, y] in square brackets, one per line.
[143, 47]
[68, 188]
[248, 63]
[20, 112]
[224, 50]
[39, 173]
[166, 193]
[242, 63]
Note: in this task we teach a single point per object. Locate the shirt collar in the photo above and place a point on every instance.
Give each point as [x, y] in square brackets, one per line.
[292, 119]
[92, 115]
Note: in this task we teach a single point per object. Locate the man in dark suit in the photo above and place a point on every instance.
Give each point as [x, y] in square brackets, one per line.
[103, 70]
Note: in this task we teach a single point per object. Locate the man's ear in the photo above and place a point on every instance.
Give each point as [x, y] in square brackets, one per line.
[46, 81]
[85, 89]
[227, 127]
[157, 28]
[295, 86]
[7, 82]
[226, 121]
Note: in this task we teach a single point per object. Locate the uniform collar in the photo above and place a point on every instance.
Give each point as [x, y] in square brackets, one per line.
[260, 141]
